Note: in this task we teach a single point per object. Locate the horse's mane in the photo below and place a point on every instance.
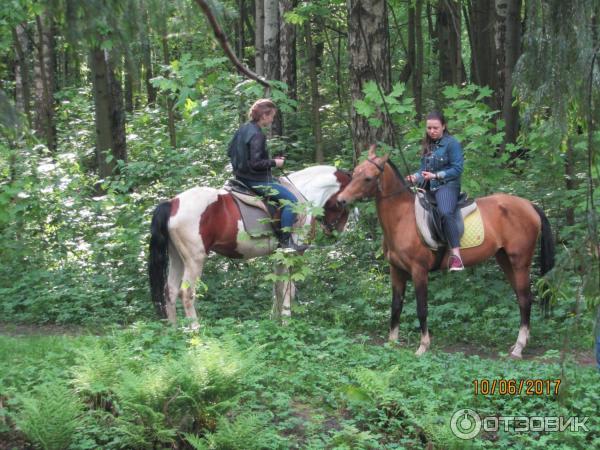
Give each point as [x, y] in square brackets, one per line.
[398, 174]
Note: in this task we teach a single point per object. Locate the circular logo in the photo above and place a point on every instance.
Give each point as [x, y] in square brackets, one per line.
[465, 424]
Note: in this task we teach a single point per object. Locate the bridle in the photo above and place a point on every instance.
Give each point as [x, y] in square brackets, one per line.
[379, 181]
[332, 226]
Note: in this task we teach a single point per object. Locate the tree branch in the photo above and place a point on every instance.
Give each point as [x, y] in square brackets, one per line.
[222, 38]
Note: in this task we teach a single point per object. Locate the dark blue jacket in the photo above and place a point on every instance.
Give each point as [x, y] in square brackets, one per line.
[446, 161]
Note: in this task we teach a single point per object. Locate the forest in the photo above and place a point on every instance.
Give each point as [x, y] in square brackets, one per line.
[108, 108]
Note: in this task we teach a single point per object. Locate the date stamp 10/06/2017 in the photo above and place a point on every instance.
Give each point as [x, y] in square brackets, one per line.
[527, 387]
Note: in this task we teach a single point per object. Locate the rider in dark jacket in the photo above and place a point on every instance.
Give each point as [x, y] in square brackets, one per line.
[252, 165]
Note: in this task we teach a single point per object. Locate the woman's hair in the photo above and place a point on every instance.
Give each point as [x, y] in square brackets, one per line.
[260, 108]
[427, 142]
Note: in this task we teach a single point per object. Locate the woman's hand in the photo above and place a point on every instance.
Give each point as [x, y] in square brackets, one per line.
[428, 175]
[411, 178]
[279, 161]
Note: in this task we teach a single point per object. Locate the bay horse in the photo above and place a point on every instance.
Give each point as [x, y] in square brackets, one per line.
[185, 229]
[511, 228]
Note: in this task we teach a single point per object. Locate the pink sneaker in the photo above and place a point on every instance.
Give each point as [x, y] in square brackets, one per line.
[455, 264]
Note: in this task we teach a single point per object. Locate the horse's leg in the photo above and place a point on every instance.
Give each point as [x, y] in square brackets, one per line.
[523, 290]
[191, 273]
[173, 282]
[278, 292]
[517, 271]
[420, 282]
[399, 278]
[284, 293]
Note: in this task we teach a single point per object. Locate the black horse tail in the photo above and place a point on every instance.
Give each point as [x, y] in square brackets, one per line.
[547, 254]
[159, 256]
[546, 244]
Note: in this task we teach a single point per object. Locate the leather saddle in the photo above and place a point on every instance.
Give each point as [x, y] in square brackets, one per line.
[260, 217]
[429, 220]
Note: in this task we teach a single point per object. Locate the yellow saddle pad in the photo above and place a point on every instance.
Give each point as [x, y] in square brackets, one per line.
[473, 235]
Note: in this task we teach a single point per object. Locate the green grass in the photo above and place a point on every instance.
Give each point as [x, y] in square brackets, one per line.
[299, 386]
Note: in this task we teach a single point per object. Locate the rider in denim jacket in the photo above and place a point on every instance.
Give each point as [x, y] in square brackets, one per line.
[441, 167]
[445, 161]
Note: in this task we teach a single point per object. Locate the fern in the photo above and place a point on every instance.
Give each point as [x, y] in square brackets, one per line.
[50, 415]
[246, 432]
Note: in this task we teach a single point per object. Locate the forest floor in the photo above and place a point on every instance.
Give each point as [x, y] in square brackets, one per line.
[531, 352]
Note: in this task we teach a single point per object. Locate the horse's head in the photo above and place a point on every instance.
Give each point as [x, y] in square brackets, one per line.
[365, 179]
[335, 215]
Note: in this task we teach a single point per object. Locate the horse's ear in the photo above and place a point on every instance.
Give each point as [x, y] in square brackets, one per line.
[372, 154]
[384, 158]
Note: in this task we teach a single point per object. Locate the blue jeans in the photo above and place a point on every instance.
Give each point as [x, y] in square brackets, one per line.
[447, 197]
[288, 217]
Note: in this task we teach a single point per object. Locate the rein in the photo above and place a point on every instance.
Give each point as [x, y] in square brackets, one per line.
[329, 226]
[332, 225]
[379, 182]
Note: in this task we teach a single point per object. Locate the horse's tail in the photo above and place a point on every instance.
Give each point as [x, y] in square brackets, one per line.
[159, 256]
[546, 254]
[546, 243]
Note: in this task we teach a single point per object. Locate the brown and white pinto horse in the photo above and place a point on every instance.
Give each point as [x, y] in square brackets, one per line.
[511, 228]
[202, 219]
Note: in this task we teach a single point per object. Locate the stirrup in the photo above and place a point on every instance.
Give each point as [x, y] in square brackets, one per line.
[287, 242]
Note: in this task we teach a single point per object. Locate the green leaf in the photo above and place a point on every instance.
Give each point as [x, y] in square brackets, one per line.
[363, 108]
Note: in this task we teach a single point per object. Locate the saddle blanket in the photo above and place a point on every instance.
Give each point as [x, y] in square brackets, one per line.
[470, 217]
[255, 214]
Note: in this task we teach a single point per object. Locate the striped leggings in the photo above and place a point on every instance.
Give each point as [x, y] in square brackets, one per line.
[447, 197]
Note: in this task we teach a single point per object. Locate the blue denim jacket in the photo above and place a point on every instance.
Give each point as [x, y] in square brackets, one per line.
[446, 161]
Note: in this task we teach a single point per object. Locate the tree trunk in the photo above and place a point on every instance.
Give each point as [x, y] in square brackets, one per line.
[240, 42]
[259, 37]
[417, 76]
[314, 93]
[117, 114]
[147, 58]
[170, 102]
[570, 182]
[109, 117]
[408, 69]
[500, 43]
[368, 41]
[271, 53]
[271, 41]
[287, 49]
[44, 122]
[482, 25]
[449, 42]
[510, 113]
[22, 72]
[129, 85]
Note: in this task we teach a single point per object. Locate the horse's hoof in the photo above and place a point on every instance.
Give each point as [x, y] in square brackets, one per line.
[514, 355]
[192, 328]
[422, 349]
